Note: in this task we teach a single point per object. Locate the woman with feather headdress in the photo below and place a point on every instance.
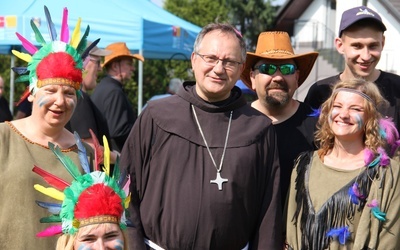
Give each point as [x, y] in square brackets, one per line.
[346, 195]
[54, 73]
[92, 212]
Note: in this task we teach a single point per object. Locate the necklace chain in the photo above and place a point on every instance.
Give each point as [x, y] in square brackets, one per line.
[205, 142]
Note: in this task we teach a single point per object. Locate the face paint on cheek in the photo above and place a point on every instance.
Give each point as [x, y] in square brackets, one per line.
[359, 120]
[334, 113]
[119, 245]
[71, 104]
[43, 100]
[83, 246]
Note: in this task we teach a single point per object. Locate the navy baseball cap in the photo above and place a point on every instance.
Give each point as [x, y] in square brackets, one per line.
[356, 14]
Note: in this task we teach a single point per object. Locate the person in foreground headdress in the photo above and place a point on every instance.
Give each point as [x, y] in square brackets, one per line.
[346, 195]
[92, 213]
[54, 73]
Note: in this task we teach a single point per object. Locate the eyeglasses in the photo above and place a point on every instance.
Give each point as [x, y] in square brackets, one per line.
[213, 60]
[96, 61]
[270, 69]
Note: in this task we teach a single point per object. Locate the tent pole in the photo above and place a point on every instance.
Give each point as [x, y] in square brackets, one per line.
[12, 74]
[140, 85]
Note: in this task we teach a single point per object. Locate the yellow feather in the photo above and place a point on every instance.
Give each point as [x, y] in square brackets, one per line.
[52, 192]
[23, 56]
[106, 162]
[127, 200]
[76, 35]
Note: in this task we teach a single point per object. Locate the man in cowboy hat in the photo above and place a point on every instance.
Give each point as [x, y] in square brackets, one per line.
[109, 96]
[361, 41]
[275, 72]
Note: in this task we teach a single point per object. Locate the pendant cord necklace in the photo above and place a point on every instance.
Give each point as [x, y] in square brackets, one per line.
[218, 180]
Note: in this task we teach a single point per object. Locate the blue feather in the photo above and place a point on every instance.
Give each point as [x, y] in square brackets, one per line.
[52, 29]
[122, 178]
[315, 112]
[82, 154]
[53, 208]
[342, 234]
[378, 214]
[374, 162]
[353, 195]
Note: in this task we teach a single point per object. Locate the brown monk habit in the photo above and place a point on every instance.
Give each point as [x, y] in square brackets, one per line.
[173, 202]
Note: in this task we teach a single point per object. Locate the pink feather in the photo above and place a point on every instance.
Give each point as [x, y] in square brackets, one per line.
[64, 27]
[387, 125]
[374, 203]
[98, 152]
[368, 156]
[385, 160]
[126, 186]
[26, 44]
[50, 231]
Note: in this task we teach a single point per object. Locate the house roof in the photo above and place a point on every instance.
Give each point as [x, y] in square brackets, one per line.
[290, 11]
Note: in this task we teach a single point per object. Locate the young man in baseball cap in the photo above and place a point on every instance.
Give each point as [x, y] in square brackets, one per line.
[361, 41]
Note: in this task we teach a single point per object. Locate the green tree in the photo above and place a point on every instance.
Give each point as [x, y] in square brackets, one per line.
[5, 69]
[252, 17]
[199, 12]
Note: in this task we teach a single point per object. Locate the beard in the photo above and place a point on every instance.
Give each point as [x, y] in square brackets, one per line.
[276, 99]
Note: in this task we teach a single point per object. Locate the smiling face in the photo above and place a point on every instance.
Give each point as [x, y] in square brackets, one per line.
[361, 48]
[347, 118]
[106, 236]
[215, 82]
[274, 90]
[54, 104]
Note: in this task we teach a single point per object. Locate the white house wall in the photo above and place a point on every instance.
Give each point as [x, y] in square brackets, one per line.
[310, 29]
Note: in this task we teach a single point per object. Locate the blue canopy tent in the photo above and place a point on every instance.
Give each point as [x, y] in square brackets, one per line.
[146, 28]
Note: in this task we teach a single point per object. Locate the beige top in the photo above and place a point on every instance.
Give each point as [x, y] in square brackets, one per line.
[366, 230]
[19, 214]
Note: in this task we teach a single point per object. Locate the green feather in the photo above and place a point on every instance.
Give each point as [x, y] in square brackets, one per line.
[51, 219]
[82, 43]
[38, 36]
[66, 161]
[116, 172]
[24, 78]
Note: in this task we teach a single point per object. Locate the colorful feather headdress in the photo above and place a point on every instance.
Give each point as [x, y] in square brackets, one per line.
[92, 198]
[56, 62]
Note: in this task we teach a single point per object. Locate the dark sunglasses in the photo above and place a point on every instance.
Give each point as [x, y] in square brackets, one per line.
[270, 69]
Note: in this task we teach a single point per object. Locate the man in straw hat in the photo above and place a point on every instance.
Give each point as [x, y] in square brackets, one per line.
[274, 71]
[109, 96]
[203, 164]
[361, 40]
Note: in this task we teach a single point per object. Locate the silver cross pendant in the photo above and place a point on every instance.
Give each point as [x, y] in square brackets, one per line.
[219, 181]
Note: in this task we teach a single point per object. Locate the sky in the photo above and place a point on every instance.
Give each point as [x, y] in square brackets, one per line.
[275, 2]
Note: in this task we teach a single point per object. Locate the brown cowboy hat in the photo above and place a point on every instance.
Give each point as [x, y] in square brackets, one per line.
[119, 50]
[276, 45]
